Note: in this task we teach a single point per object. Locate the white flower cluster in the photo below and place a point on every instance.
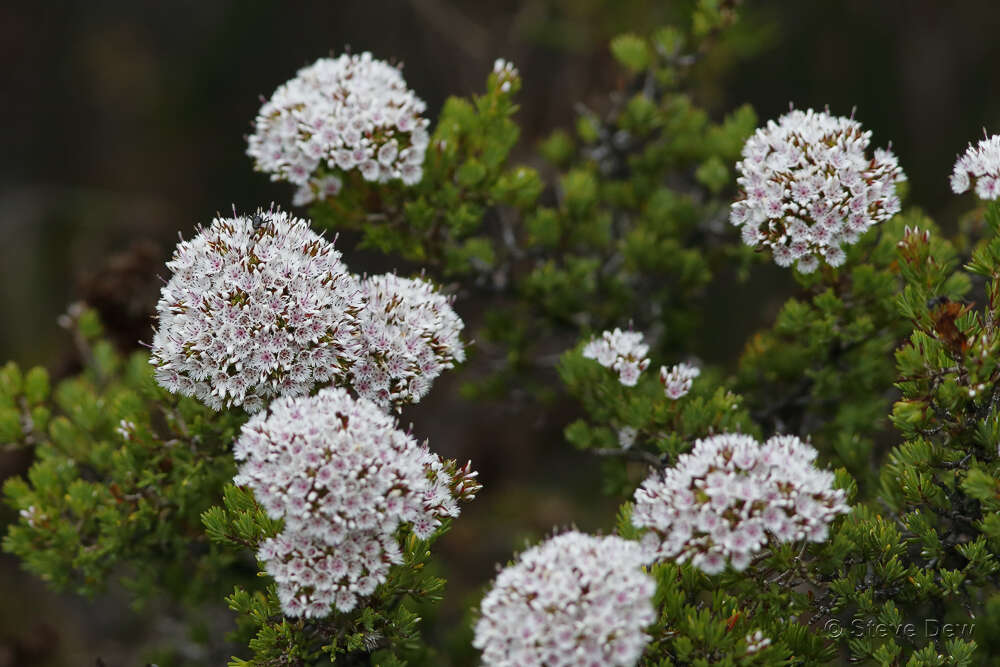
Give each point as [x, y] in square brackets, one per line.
[125, 429]
[343, 478]
[32, 516]
[979, 164]
[573, 600]
[808, 188]
[627, 436]
[312, 575]
[323, 187]
[256, 307]
[678, 380]
[730, 494]
[621, 351]
[410, 334]
[506, 74]
[756, 641]
[261, 306]
[351, 112]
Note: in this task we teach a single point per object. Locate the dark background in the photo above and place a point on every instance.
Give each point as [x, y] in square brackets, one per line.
[122, 123]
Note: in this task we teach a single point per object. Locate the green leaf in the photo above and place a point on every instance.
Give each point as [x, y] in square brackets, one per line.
[470, 173]
[631, 51]
[10, 425]
[713, 174]
[557, 148]
[36, 385]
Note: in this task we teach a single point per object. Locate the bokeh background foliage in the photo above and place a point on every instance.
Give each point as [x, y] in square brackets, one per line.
[125, 122]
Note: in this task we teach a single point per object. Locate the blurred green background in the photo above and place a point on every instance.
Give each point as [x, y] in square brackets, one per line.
[123, 123]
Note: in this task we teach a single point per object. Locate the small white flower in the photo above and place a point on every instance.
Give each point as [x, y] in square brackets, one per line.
[574, 596]
[621, 351]
[678, 380]
[756, 641]
[506, 74]
[31, 516]
[979, 165]
[125, 429]
[626, 436]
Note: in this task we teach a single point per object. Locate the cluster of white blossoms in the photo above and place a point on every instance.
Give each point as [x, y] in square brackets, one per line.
[621, 351]
[261, 306]
[410, 334]
[678, 379]
[323, 187]
[31, 515]
[339, 114]
[257, 307]
[979, 165]
[809, 187]
[756, 641]
[313, 576]
[344, 479]
[506, 74]
[627, 436]
[574, 600]
[260, 311]
[727, 497]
